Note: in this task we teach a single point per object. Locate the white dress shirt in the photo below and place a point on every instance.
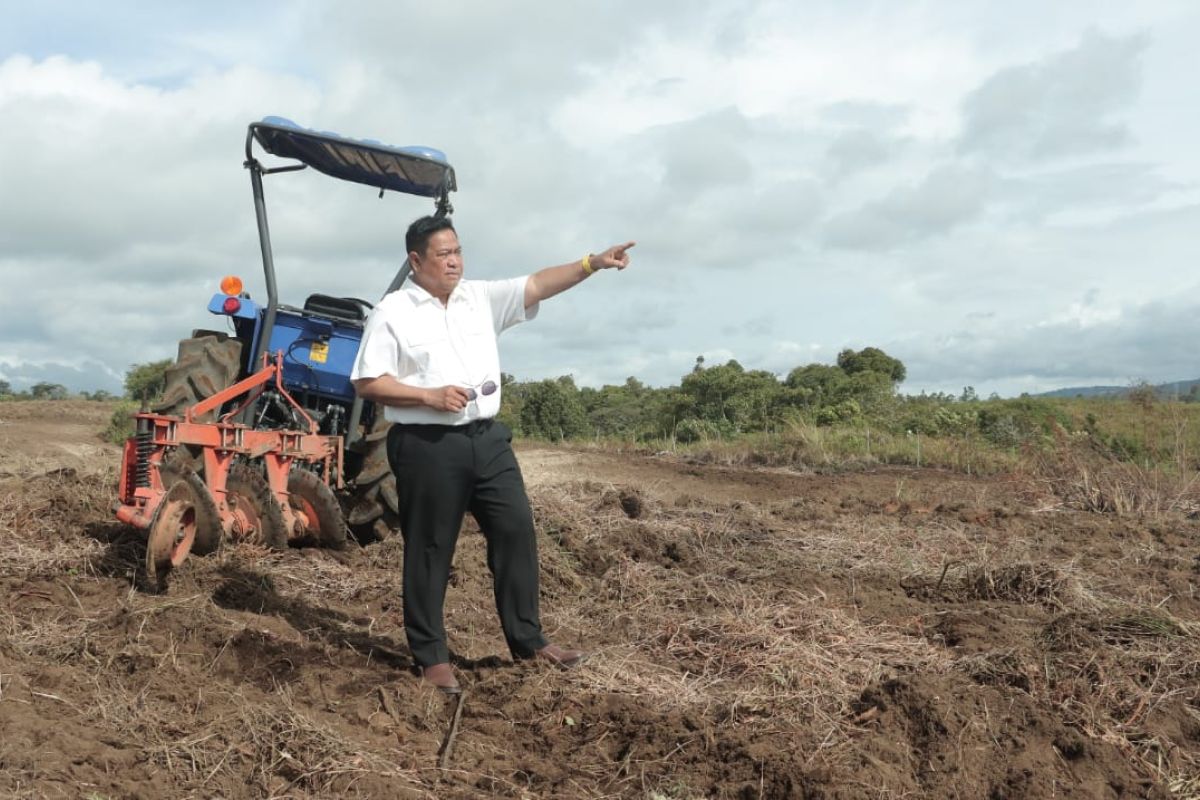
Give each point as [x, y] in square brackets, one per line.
[414, 338]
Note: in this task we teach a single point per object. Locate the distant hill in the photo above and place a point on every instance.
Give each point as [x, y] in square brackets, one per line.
[1172, 389]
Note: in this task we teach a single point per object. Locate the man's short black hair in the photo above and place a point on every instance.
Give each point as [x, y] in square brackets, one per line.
[417, 238]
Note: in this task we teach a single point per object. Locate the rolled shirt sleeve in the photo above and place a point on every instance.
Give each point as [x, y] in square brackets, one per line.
[507, 299]
[379, 351]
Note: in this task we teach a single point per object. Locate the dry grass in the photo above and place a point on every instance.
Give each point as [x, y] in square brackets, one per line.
[1059, 586]
[721, 613]
[733, 648]
[802, 444]
[745, 653]
[1089, 481]
[1123, 672]
[272, 747]
[285, 751]
[33, 510]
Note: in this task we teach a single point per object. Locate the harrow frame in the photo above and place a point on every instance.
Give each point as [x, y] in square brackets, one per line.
[147, 499]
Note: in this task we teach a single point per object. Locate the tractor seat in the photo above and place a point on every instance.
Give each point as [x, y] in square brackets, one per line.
[345, 309]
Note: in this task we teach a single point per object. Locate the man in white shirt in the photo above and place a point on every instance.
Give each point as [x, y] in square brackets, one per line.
[429, 357]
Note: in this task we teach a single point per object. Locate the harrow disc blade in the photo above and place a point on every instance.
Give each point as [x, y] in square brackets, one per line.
[171, 534]
[258, 516]
[315, 504]
[209, 530]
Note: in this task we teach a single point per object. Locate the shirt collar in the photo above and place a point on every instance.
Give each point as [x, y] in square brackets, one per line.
[419, 295]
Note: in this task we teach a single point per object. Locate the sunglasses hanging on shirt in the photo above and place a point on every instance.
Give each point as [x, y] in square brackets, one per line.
[486, 388]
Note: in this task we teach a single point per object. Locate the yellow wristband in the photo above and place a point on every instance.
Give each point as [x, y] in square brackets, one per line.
[587, 264]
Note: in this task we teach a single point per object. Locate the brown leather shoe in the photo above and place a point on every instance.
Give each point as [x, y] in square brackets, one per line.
[441, 677]
[560, 657]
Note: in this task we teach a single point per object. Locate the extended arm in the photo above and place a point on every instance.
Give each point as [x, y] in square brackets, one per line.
[388, 391]
[545, 283]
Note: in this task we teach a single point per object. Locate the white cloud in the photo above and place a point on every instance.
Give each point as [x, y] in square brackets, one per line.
[1065, 105]
[947, 182]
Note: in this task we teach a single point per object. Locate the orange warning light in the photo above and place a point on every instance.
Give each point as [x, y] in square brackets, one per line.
[231, 285]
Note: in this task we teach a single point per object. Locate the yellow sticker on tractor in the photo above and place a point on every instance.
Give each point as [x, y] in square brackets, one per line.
[319, 352]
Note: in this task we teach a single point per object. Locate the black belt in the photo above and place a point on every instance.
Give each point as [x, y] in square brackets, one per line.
[472, 428]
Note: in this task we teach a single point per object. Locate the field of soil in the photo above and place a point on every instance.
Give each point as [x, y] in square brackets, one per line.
[754, 633]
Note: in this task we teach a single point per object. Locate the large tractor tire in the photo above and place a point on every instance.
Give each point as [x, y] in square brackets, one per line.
[313, 500]
[373, 507]
[207, 363]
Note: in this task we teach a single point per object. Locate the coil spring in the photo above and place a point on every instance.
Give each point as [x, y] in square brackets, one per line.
[145, 448]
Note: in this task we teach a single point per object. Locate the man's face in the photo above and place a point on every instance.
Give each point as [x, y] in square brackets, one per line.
[440, 267]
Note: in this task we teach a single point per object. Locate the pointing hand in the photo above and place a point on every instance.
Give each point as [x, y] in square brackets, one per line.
[615, 256]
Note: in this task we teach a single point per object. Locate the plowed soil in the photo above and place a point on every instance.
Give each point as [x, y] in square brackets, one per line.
[875, 633]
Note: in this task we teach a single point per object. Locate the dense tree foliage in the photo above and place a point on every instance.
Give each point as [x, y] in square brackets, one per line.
[717, 401]
[45, 390]
[551, 409]
[147, 381]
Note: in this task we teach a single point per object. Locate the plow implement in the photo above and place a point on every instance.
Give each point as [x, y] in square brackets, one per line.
[192, 485]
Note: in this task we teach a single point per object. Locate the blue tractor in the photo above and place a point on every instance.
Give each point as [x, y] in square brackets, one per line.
[318, 340]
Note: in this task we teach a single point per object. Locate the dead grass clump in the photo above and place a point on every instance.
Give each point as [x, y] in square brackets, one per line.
[267, 748]
[1028, 583]
[21, 559]
[315, 573]
[1025, 582]
[68, 497]
[57, 637]
[1129, 676]
[38, 516]
[594, 528]
[793, 659]
[289, 750]
[1088, 481]
[997, 668]
[1117, 627]
[632, 503]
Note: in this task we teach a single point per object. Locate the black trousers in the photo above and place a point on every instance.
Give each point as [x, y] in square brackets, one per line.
[441, 473]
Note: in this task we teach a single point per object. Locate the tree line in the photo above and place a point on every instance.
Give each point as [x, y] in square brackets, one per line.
[142, 381]
[711, 401]
[44, 390]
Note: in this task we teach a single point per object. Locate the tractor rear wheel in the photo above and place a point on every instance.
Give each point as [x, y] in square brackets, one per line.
[259, 517]
[373, 508]
[316, 503]
[206, 364]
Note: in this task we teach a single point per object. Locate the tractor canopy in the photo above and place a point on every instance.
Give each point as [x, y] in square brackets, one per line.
[422, 171]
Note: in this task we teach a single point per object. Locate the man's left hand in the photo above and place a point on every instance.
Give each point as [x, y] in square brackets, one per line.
[615, 256]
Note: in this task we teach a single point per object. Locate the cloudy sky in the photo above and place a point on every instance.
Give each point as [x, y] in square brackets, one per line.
[1002, 195]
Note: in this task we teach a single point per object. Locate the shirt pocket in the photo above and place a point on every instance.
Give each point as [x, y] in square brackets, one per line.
[425, 350]
[477, 327]
[478, 345]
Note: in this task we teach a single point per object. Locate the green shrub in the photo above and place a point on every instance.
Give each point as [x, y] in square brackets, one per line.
[120, 424]
[699, 430]
[843, 413]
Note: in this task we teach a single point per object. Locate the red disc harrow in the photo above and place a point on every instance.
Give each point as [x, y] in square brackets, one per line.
[191, 484]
